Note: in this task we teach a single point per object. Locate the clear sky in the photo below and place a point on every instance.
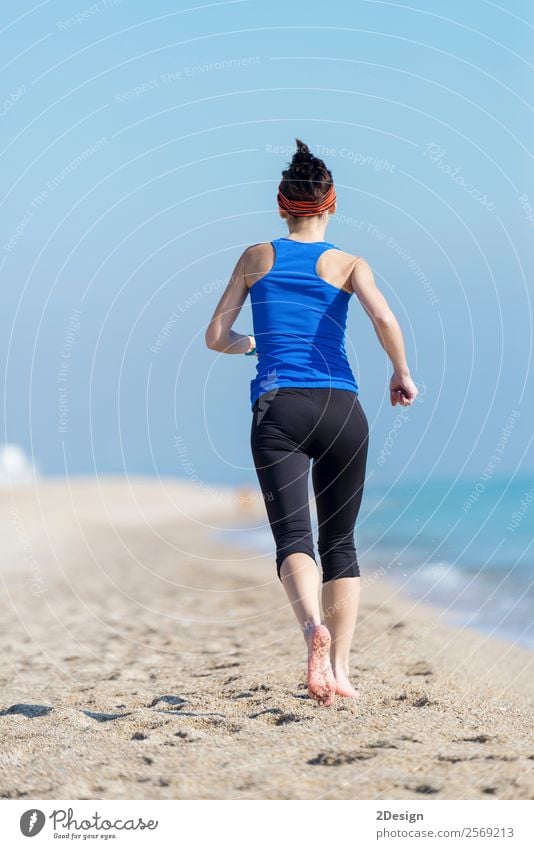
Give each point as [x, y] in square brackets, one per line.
[141, 148]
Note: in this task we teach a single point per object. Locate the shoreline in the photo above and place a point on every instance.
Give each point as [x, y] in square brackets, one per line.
[410, 588]
[161, 663]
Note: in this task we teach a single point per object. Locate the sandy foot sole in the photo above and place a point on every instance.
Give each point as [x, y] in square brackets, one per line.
[321, 681]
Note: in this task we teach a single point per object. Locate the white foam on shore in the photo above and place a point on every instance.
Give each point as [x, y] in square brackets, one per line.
[15, 468]
[441, 573]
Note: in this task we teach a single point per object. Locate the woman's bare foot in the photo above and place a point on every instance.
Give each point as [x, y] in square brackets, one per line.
[343, 685]
[321, 681]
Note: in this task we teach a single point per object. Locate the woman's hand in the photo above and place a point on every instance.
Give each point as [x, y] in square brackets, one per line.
[402, 389]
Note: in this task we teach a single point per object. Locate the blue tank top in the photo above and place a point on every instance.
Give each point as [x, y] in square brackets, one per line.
[299, 323]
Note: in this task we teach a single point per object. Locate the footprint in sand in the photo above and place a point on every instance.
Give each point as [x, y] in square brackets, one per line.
[421, 701]
[286, 718]
[28, 710]
[275, 716]
[421, 667]
[104, 717]
[271, 711]
[423, 789]
[174, 701]
[417, 700]
[340, 758]
[479, 738]
[186, 736]
[382, 744]
[15, 794]
[200, 714]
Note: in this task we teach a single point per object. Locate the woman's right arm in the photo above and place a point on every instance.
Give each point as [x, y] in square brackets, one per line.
[402, 388]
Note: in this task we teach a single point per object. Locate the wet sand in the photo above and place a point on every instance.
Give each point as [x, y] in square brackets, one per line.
[143, 659]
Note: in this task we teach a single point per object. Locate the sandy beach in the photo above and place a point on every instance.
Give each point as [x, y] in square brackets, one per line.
[143, 659]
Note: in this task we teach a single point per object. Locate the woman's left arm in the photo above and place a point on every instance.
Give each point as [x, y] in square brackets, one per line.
[219, 334]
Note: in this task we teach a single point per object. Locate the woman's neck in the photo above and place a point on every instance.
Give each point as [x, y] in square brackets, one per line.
[308, 233]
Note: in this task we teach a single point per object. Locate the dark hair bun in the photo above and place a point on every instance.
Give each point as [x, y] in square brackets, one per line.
[302, 154]
[307, 177]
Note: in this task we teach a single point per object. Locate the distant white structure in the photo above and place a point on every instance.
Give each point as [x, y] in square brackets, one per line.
[14, 465]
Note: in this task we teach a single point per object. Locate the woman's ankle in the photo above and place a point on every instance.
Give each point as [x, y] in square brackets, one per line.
[340, 667]
[309, 627]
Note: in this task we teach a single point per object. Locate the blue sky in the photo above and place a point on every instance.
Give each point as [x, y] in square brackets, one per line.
[141, 150]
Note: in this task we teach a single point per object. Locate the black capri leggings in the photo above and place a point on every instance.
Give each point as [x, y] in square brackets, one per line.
[290, 427]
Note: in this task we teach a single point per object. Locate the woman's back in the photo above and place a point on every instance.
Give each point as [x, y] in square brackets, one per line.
[299, 316]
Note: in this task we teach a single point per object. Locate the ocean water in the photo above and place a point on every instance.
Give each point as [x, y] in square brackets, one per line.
[466, 546]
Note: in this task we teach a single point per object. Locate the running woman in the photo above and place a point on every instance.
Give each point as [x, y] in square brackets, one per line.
[305, 407]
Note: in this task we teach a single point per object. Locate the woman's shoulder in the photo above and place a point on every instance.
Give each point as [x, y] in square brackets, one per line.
[260, 248]
[337, 266]
[259, 259]
[347, 256]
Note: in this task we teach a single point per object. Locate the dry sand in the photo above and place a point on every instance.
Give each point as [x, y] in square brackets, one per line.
[145, 660]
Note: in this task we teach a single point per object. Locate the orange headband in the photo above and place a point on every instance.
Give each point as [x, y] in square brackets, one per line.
[307, 207]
